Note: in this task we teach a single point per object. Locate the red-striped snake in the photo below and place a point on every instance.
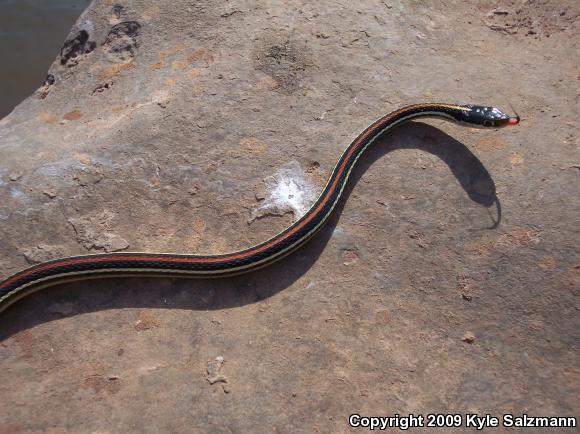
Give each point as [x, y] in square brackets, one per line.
[123, 263]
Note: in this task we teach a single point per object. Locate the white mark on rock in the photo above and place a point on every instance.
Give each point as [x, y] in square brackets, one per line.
[58, 168]
[87, 25]
[16, 194]
[213, 371]
[288, 191]
[92, 231]
[337, 232]
[161, 97]
[321, 117]
[43, 253]
[310, 285]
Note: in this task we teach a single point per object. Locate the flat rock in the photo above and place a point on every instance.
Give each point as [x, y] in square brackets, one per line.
[168, 126]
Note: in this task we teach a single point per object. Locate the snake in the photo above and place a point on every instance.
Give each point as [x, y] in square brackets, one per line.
[53, 272]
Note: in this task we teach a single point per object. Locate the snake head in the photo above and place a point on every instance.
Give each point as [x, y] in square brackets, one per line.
[486, 117]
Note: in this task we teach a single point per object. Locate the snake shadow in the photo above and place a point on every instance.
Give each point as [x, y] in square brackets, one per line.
[76, 298]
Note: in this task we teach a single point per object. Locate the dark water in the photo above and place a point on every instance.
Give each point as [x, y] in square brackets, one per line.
[31, 35]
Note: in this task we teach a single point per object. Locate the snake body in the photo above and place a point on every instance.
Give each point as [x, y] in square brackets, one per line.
[124, 263]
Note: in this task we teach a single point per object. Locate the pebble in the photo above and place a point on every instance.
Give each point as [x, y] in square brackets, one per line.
[468, 337]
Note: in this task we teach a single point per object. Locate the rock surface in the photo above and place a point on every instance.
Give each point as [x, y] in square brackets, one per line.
[198, 126]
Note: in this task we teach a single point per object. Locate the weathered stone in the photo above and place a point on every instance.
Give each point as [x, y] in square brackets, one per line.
[157, 126]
